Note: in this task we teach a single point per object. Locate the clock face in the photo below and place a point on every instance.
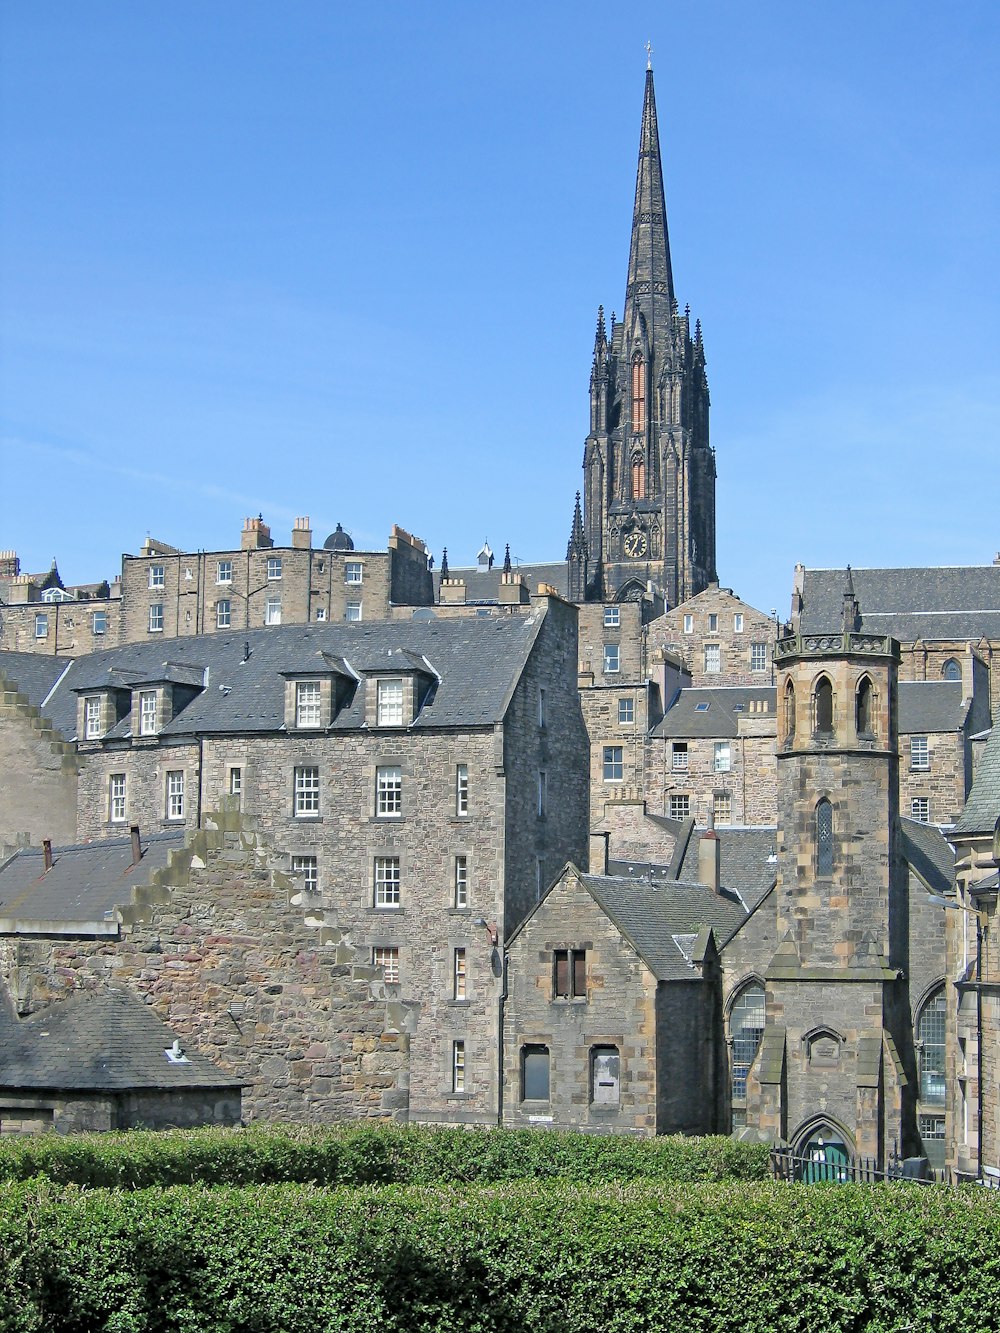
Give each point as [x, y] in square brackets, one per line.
[635, 545]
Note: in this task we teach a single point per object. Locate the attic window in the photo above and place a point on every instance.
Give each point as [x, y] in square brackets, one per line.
[702, 708]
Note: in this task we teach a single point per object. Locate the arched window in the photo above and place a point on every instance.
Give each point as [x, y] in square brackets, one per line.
[824, 838]
[605, 1075]
[930, 1036]
[789, 708]
[746, 1027]
[638, 479]
[638, 395]
[823, 705]
[951, 670]
[864, 712]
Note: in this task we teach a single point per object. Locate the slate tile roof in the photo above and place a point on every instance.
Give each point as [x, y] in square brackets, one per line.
[746, 864]
[478, 660]
[655, 917]
[982, 809]
[960, 602]
[85, 883]
[698, 712]
[483, 585]
[32, 673]
[928, 852]
[99, 1041]
[931, 705]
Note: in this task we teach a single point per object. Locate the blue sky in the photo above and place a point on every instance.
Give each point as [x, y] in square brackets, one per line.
[345, 261]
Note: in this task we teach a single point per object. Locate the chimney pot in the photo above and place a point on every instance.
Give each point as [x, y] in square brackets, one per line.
[136, 844]
[47, 852]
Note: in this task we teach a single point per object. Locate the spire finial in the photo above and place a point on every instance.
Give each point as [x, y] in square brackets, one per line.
[506, 559]
[649, 55]
[444, 563]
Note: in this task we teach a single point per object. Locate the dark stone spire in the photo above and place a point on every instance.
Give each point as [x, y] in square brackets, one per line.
[577, 547]
[650, 287]
[444, 563]
[852, 608]
[506, 558]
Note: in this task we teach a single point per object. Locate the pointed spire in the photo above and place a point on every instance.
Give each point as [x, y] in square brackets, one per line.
[444, 563]
[506, 558]
[650, 280]
[852, 608]
[577, 547]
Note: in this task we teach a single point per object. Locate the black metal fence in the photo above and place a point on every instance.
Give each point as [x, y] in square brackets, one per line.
[821, 1166]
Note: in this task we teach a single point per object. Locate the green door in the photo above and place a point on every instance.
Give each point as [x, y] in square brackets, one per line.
[825, 1159]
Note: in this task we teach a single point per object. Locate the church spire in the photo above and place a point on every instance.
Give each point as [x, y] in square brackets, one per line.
[650, 280]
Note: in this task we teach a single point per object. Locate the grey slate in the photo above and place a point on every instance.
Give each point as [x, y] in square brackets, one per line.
[931, 706]
[960, 602]
[86, 881]
[928, 853]
[684, 720]
[483, 585]
[982, 809]
[33, 674]
[479, 661]
[746, 863]
[650, 913]
[99, 1041]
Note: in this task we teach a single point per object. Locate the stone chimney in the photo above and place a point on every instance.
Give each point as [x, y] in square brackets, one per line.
[302, 538]
[256, 535]
[47, 853]
[599, 853]
[513, 590]
[136, 844]
[451, 592]
[710, 858]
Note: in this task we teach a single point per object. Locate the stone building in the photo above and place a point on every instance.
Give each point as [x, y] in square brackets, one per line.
[721, 639]
[40, 614]
[39, 765]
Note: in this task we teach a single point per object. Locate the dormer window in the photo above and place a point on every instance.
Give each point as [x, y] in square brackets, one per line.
[147, 712]
[390, 703]
[92, 728]
[308, 704]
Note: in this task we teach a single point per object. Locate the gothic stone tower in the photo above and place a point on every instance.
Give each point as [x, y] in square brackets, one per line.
[649, 472]
[835, 1048]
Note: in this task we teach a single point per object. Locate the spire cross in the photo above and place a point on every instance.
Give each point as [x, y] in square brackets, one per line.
[649, 55]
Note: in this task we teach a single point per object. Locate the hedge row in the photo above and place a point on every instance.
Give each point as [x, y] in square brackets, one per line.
[525, 1256]
[369, 1155]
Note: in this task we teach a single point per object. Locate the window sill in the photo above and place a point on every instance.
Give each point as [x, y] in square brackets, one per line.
[305, 819]
[458, 1096]
[459, 1004]
[387, 819]
[569, 999]
[386, 911]
[459, 911]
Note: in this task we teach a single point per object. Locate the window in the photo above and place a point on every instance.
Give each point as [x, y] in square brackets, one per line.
[387, 958]
[389, 792]
[920, 809]
[156, 576]
[638, 479]
[612, 617]
[57, 595]
[223, 613]
[638, 395]
[147, 712]
[321, 613]
[722, 807]
[932, 1139]
[274, 567]
[175, 794]
[236, 782]
[354, 571]
[116, 798]
[789, 709]
[156, 618]
[307, 703]
[723, 757]
[612, 658]
[389, 703]
[746, 1027]
[308, 868]
[930, 1040]
[541, 706]
[713, 623]
[823, 705]
[626, 712]
[461, 881]
[542, 785]
[387, 881]
[41, 625]
[680, 805]
[570, 974]
[272, 611]
[538, 879]
[758, 657]
[462, 789]
[99, 622]
[824, 838]
[224, 571]
[679, 757]
[951, 670]
[919, 753]
[614, 766]
[863, 710]
[605, 1075]
[352, 611]
[92, 717]
[738, 622]
[458, 974]
[688, 623]
[306, 791]
[458, 1066]
[534, 1073]
[713, 658]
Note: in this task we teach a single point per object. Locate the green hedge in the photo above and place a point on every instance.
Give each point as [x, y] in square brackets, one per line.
[519, 1256]
[369, 1155]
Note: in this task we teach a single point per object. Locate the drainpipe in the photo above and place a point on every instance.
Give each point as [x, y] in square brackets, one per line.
[979, 1049]
[500, 1018]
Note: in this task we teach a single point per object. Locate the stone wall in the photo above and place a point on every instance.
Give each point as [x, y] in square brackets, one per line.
[40, 772]
[69, 627]
[750, 782]
[710, 618]
[942, 783]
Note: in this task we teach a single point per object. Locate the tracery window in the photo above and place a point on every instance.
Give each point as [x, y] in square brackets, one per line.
[824, 838]
[864, 714]
[823, 705]
[638, 395]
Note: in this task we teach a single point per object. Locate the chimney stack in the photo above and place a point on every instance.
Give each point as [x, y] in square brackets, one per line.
[47, 853]
[710, 858]
[136, 844]
[599, 853]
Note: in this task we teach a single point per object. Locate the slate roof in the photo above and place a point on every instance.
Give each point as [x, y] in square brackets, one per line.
[85, 884]
[983, 806]
[745, 864]
[687, 718]
[931, 705]
[32, 673]
[959, 602]
[99, 1041]
[928, 852]
[479, 661]
[651, 913]
[483, 585]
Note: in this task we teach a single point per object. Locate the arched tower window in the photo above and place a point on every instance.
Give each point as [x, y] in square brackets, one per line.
[864, 707]
[824, 838]
[930, 1036]
[823, 705]
[746, 1028]
[789, 709]
[638, 479]
[951, 670]
[638, 395]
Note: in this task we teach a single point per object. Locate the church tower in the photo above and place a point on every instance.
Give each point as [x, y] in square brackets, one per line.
[649, 471]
